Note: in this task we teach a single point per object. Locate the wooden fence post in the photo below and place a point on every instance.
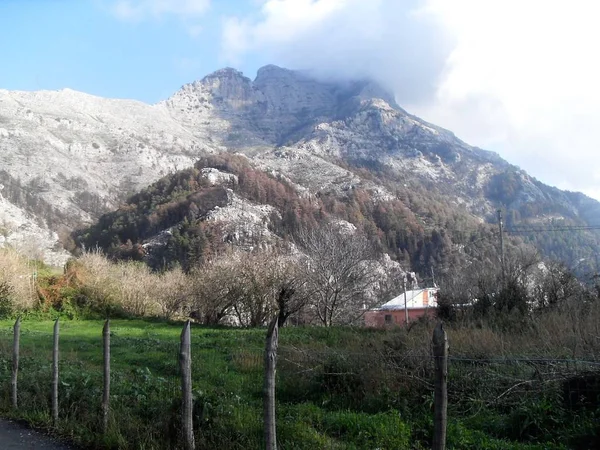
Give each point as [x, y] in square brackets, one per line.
[15, 361]
[106, 389]
[55, 373]
[185, 364]
[440, 353]
[269, 387]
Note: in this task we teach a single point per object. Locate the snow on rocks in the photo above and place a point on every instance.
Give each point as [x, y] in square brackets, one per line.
[215, 176]
[245, 223]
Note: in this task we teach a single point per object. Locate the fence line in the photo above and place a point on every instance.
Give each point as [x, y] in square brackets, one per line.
[55, 373]
[185, 365]
[106, 374]
[269, 387]
[440, 417]
[15, 361]
[507, 377]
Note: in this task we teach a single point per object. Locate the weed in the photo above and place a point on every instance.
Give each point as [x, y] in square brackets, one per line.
[340, 388]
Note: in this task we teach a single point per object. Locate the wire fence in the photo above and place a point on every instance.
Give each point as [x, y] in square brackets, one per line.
[145, 400]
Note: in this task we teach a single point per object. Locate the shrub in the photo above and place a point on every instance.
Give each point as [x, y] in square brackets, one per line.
[6, 300]
[128, 287]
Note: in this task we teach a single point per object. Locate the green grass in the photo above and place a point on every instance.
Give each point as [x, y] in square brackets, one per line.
[333, 390]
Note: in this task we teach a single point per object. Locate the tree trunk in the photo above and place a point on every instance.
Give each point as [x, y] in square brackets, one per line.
[284, 297]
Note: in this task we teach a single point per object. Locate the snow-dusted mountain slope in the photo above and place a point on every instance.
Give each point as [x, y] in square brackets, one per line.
[66, 157]
[82, 154]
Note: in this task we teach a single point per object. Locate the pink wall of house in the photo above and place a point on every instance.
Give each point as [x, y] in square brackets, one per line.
[395, 317]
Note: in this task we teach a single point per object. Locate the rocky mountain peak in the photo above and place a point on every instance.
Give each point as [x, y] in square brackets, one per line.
[225, 72]
[78, 155]
[230, 88]
[271, 72]
[278, 98]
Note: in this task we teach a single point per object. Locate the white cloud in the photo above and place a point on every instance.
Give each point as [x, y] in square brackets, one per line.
[523, 79]
[137, 10]
[519, 77]
[383, 39]
[283, 21]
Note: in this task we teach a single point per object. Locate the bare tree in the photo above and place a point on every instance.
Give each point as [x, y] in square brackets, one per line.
[337, 272]
[271, 283]
[257, 277]
[290, 284]
[488, 293]
[173, 291]
[249, 286]
[293, 296]
[555, 286]
[214, 291]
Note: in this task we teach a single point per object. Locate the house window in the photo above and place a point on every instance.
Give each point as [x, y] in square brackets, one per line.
[388, 318]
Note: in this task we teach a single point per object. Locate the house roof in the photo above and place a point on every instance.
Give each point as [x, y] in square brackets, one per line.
[414, 300]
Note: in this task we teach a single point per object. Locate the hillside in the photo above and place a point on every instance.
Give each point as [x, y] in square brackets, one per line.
[225, 200]
[68, 158]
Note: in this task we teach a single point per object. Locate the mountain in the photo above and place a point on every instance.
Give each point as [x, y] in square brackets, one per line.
[68, 158]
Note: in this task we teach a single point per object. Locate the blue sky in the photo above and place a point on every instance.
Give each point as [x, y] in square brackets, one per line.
[530, 93]
[85, 45]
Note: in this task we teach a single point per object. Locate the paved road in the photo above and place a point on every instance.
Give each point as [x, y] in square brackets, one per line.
[14, 436]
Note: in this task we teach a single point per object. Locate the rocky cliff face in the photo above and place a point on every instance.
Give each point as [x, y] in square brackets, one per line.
[78, 155]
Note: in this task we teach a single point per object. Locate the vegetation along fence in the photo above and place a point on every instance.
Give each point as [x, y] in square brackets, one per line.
[134, 384]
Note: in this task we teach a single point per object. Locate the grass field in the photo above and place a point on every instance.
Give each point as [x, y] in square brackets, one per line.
[337, 388]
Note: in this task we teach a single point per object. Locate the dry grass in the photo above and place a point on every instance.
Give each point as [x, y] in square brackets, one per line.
[16, 271]
[571, 332]
[173, 293]
[133, 287]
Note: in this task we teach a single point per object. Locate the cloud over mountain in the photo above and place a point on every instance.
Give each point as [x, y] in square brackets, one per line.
[519, 78]
[390, 41]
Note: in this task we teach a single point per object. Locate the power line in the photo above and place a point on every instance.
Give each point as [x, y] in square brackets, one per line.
[522, 229]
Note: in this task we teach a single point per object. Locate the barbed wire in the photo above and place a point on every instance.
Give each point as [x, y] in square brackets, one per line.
[287, 348]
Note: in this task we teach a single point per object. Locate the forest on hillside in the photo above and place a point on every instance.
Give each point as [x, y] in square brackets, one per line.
[418, 232]
[416, 227]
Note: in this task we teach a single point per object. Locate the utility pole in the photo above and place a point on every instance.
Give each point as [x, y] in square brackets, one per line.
[405, 305]
[432, 277]
[501, 230]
